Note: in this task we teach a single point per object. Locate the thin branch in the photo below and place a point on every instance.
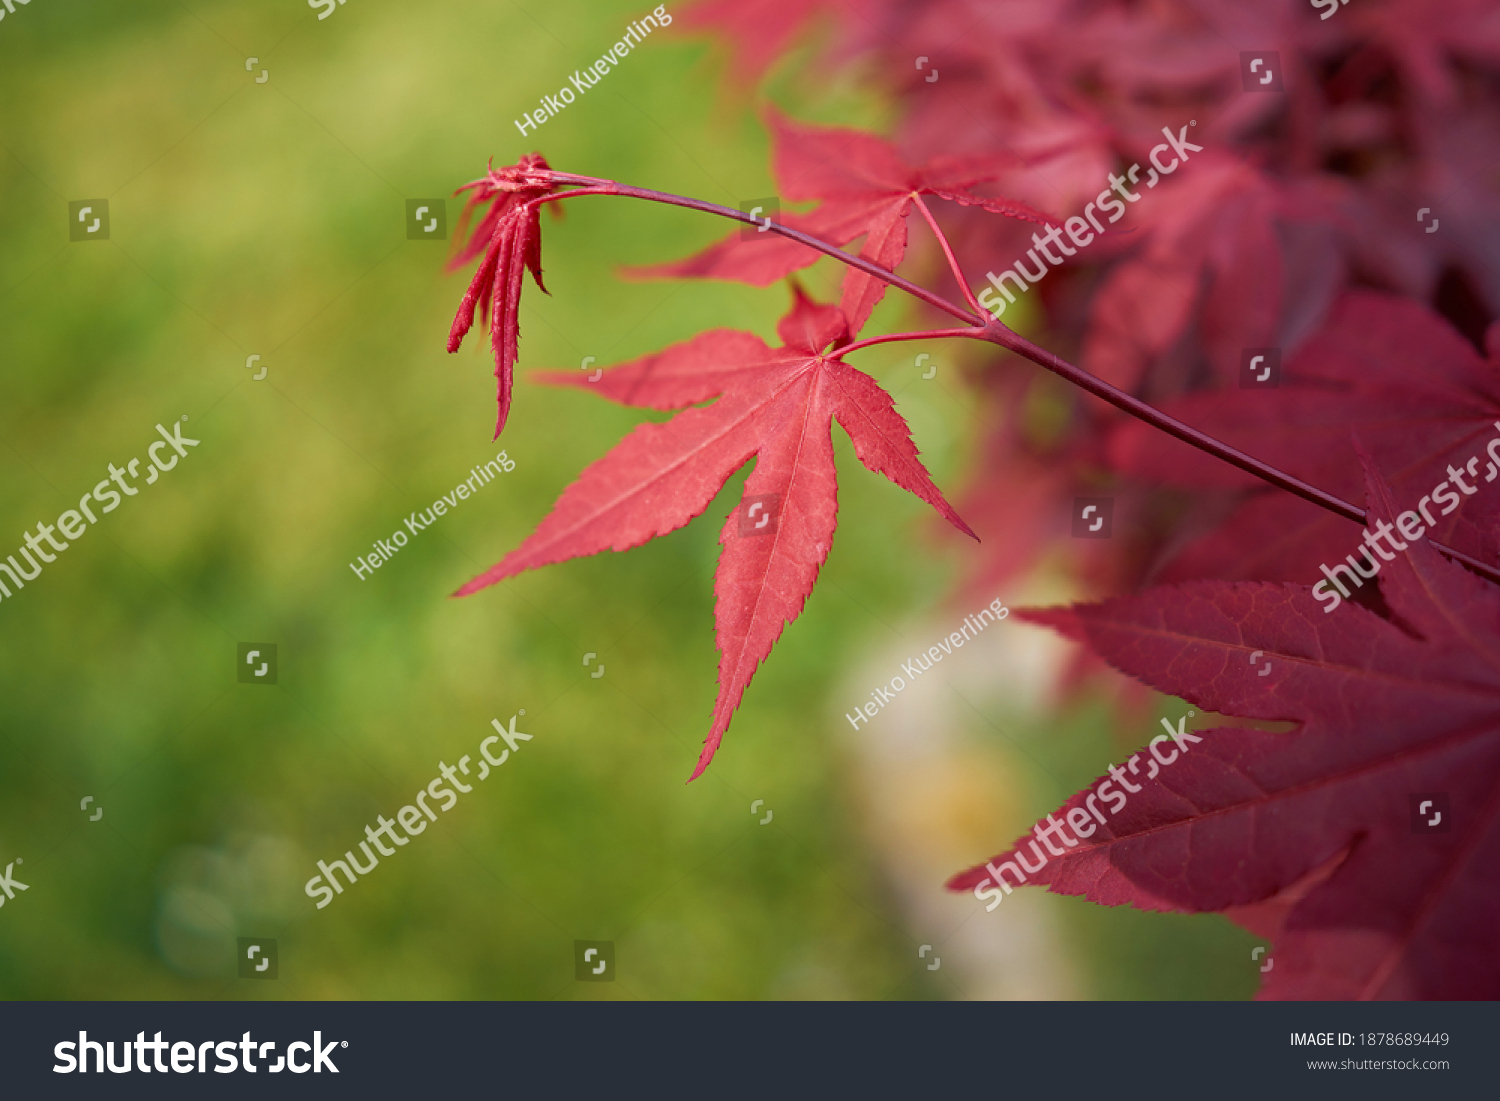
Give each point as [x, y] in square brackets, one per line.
[1000, 334]
[986, 327]
[608, 188]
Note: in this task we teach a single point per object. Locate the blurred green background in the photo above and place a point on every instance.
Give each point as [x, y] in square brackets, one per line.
[268, 219]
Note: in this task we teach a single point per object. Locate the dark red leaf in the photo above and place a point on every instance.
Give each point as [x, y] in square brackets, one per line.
[1387, 710]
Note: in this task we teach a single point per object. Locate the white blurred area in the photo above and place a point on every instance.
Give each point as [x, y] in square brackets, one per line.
[938, 790]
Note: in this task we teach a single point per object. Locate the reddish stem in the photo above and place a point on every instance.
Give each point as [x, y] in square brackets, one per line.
[609, 187]
[930, 334]
[963, 284]
[993, 330]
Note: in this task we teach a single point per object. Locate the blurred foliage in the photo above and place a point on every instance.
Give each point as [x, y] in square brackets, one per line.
[266, 219]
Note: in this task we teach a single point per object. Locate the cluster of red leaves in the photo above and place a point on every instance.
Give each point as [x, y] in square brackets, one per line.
[1386, 706]
[1299, 229]
[774, 405]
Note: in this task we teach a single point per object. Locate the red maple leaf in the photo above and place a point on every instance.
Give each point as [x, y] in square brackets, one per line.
[510, 236]
[777, 405]
[864, 189]
[1322, 823]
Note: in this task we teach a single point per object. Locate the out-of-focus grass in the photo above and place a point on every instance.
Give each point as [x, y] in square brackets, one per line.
[267, 219]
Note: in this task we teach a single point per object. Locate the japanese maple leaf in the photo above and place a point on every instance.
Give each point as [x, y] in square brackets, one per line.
[776, 405]
[1323, 823]
[1383, 367]
[864, 189]
[510, 236]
